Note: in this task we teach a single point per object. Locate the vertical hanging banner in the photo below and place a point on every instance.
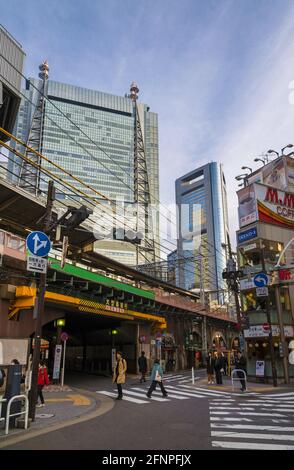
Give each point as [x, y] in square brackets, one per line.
[57, 361]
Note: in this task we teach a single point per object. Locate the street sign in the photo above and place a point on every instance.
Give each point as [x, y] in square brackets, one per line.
[261, 280]
[36, 264]
[57, 361]
[38, 244]
[261, 291]
[64, 336]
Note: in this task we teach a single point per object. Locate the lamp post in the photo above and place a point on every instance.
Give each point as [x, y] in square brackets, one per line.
[273, 151]
[289, 146]
[260, 160]
[246, 168]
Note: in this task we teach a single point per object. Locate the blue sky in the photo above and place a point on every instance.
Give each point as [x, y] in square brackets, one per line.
[218, 72]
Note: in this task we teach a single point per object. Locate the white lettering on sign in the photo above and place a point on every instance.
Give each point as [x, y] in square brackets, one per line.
[258, 331]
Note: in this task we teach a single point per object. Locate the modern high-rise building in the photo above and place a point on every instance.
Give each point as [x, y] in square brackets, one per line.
[11, 65]
[202, 252]
[91, 135]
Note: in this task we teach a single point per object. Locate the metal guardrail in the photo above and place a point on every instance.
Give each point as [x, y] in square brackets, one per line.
[238, 377]
[8, 415]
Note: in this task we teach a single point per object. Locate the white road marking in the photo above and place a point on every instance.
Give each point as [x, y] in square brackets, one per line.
[260, 427]
[169, 395]
[143, 394]
[279, 395]
[246, 414]
[229, 408]
[251, 445]
[188, 394]
[248, 435]
[215, 418]
[133, 400]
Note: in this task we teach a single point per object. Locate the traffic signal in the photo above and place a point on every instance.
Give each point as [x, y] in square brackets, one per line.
[77, 217]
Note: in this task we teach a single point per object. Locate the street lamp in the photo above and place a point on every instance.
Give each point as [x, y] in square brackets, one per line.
[246, 168]
[242, 177]
[289, 146]
[259, 160]
[273, 151]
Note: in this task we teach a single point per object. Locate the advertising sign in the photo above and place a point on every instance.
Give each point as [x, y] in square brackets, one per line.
[267, 204]
[247, 235]
[258, 331]
[290, 173]
[259, 371]
[247, 206]
[274, 174]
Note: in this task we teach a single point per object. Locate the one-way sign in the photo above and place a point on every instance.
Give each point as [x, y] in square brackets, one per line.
[38, 244]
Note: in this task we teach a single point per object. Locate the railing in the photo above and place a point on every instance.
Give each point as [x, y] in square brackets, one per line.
[244, 377]
[25, 412]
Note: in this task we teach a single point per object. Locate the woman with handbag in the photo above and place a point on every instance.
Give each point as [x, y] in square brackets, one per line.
[156, 378]
[119, 374]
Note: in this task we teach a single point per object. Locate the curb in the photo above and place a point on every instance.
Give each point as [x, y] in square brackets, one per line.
[106, 404]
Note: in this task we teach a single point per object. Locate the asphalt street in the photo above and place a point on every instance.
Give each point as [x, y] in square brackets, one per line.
[192, 417]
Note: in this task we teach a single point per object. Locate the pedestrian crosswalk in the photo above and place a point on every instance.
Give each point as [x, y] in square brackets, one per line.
[264, 422]
[137, 395]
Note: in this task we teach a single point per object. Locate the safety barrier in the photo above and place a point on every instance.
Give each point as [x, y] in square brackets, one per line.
[25, 412]
[244, 377]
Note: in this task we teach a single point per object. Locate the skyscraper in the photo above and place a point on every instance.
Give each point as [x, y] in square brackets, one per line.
[91, 135]
[201, 199]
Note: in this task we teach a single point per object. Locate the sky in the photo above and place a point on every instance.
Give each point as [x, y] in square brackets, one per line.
[219, 73]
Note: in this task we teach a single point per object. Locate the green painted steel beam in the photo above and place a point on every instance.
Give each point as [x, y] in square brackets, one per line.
[81, 273]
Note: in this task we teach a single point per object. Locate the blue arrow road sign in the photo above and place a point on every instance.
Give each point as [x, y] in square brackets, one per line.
[260, 280]
[38, 244]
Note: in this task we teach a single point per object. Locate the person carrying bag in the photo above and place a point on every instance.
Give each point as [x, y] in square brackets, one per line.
[156, 378]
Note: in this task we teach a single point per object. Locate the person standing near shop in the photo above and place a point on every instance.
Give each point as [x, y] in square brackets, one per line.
[142, 362]
[241, 364]
[156, 378]
[43, 379]
[119, 374]
[219, 368]
[210, 362]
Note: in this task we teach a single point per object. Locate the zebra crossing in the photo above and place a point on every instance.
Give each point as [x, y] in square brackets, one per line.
[263, 422]
[179, 391]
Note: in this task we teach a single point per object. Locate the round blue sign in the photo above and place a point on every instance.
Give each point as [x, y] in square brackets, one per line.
[38, 243]
[261, 280]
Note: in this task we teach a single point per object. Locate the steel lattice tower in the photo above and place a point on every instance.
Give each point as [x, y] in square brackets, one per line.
[29, 177]
[142, 196]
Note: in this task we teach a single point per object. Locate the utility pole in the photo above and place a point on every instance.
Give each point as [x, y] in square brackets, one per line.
[40, 311]
[268, 316]
[282, 333]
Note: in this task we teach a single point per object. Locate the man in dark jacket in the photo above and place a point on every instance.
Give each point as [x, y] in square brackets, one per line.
[142, 361]
[241, 364]
[210, 368]
[219, 368]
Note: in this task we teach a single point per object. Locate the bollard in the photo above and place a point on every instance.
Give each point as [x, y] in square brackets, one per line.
[193, 377]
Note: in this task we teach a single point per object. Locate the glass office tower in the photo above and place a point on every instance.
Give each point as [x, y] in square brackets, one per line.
[201, 199]
[91, 135]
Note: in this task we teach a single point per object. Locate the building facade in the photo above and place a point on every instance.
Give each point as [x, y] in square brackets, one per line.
[266, 220]
[201, 200]
[11, 66]
[90, 134]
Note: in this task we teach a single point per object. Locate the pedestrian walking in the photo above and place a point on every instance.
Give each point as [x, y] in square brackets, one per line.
[43, 379]
[210, 362]
[119, 374]
[218, 367]
[156, 378]
[142, 362]
[225, 363]
[241, 364]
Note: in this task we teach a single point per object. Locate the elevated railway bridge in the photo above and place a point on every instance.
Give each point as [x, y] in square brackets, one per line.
[104, 304]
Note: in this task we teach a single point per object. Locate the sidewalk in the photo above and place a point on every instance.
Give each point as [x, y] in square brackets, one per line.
[251, 386]
[63, 407]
